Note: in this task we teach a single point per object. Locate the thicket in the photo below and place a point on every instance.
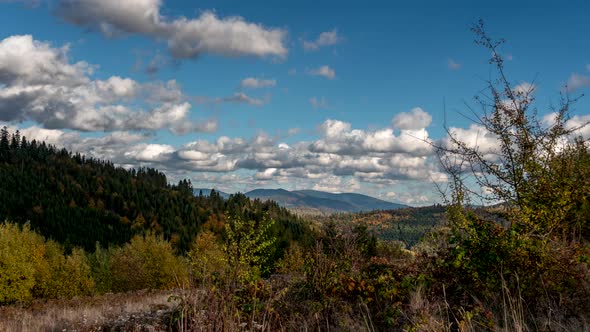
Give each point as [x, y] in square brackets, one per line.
[32, 267]
[527, 269]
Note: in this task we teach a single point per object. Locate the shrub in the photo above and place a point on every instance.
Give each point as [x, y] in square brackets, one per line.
[100, 267]
[21, 252]
[147, 262]
[249, 247]
[31, 267]
[207, 258]
[63, 276]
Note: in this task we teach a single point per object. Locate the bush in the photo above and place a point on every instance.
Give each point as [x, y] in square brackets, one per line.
[63, 276]
[207, 258]
[31, 267]
[21, 252]
[249, 247]
[147, 262]
[100, 266]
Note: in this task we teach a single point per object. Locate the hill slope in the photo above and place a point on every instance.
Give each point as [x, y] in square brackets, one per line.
[79, 201]
[325, 202]
[407, 225]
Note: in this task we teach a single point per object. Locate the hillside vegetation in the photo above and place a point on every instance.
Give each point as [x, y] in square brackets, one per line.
[79, 201]
[406, 225]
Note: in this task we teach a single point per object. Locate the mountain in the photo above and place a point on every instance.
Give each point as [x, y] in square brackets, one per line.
[207, 192]
[313, 201]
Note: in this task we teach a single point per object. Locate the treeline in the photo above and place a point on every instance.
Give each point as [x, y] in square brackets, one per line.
[79, 201]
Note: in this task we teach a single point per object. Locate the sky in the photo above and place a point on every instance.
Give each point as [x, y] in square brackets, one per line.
[339, 96]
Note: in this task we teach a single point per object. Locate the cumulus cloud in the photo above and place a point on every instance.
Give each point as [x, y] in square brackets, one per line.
[475, 137]
[417, 118]
[579, 124]
[267, 174]
[324, 71]
[370, 156]
[39, 83]
[150, 152]
[339, 138]
[186, 37]
[256, 83]
[342, 158]
[326, 38]
[577, 81]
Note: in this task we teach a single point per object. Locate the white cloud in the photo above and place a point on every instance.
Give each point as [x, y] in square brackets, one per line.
[267, 174]
[186, 37]
[242, 98]
[341, 159]
[118, 87]
[340, 139]
[324, 71]
[476, 136]
[581, 123]
[335, 184]
[578, 123]
[150, 152]
[326, 38]
[577, 81]
[417, 118]
[39, 83]
[27, 61]
[255, 83]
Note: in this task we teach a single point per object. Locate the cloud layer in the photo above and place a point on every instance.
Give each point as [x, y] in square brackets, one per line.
[341, 158]
[185, 37]
[39, 83]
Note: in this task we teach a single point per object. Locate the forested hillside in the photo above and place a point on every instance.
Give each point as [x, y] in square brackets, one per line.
[79, 201]
[407, 225]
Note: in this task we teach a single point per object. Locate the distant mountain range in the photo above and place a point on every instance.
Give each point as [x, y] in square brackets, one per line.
[313, 201]
[207, 192]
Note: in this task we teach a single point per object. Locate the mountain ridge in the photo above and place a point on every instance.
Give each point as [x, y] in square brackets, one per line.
[315, 201]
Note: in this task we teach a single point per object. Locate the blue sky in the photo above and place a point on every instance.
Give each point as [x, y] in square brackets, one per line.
[330, 95]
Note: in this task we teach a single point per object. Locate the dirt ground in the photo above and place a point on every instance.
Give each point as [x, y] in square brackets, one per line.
[135, 311]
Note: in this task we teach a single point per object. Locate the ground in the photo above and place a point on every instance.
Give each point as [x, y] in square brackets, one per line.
[134, 311]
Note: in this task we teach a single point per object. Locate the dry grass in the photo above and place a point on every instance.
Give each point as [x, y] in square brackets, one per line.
[135, 311]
